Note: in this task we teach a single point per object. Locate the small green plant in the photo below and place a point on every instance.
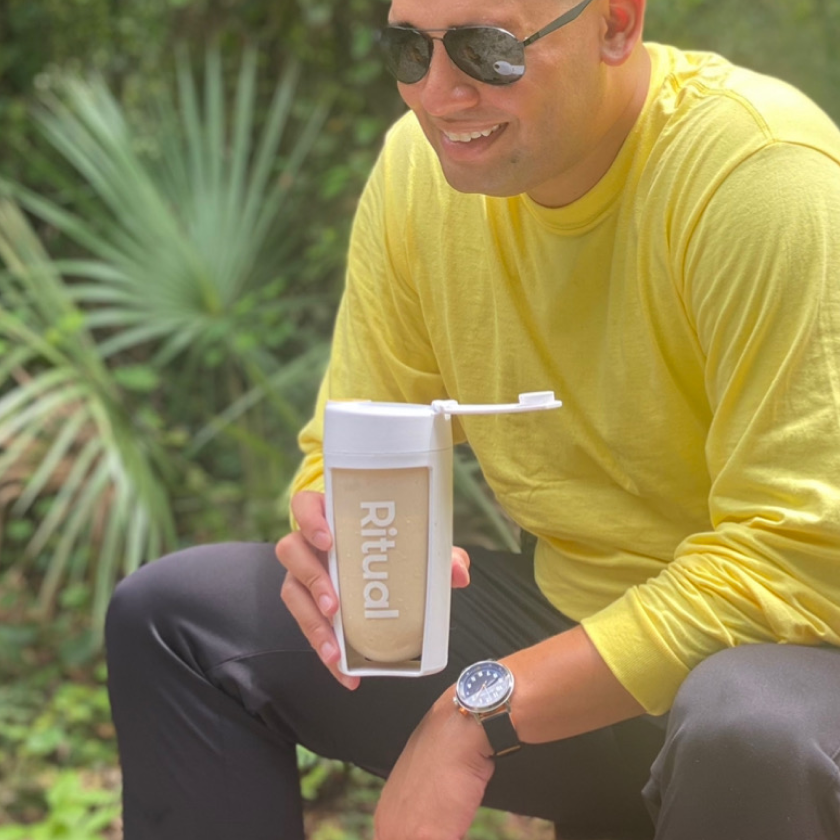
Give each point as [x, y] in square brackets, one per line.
[55, 720]
[74, 812]
[317, 773]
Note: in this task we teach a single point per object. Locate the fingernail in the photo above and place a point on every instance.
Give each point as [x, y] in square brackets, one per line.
[328, 651]
[321, 540]
[326, 604]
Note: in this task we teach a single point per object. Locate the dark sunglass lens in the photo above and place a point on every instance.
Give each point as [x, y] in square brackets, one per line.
[489, 55]
[407, 53]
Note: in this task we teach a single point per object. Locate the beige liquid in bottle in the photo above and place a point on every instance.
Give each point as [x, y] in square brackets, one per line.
[381, 543]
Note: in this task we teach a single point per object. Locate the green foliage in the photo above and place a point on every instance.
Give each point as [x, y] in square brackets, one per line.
[57, 746]
[191, 235]
[181, 283]
[317, 774]
[73, 812]
[64, 433]
[131, 44]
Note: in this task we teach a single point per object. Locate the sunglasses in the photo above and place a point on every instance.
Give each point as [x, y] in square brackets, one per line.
[485, 53]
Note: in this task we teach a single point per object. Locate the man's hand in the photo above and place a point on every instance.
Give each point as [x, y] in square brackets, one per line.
[308, 592]
[438, 782]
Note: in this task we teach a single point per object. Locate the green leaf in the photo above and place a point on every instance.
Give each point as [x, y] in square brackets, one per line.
[67, 440]
[140, 378]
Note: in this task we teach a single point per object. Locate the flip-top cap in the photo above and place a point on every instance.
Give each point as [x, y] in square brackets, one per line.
[531, 401]
[383, 428]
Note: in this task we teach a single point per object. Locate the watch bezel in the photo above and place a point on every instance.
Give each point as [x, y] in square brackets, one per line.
[466, 703]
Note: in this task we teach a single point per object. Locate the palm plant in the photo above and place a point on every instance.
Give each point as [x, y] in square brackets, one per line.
[177, 285]
[191, 238]
[191, 234]
[186, 224]
[65, 435]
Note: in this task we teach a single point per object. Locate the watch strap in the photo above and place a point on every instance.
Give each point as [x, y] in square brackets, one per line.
[500, 732]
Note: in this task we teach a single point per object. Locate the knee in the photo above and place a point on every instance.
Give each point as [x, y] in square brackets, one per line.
[133, 607]
[146, 604]
[194, 600]
[741, 709]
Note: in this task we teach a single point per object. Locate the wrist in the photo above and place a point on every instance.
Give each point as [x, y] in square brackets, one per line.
[464, 730]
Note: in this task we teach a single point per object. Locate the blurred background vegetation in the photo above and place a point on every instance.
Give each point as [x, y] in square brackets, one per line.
[177, 181]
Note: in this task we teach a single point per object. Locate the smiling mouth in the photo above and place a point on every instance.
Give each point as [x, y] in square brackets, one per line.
[469, 136]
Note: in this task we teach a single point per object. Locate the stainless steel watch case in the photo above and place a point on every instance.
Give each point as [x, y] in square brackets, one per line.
[495, 719]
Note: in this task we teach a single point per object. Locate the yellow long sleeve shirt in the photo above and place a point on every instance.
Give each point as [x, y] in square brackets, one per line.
[687, 311]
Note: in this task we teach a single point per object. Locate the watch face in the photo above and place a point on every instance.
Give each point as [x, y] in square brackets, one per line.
[484, 686]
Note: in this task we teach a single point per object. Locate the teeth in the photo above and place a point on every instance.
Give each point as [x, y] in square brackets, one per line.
[469, 136]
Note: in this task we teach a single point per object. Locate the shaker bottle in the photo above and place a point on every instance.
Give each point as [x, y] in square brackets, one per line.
[388, 473]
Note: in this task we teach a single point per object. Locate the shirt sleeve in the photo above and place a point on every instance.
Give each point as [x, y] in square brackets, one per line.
[761, 282]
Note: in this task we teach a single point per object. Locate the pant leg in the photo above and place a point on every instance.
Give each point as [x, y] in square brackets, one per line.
[212, 686]
[193, 757]
[752, 749]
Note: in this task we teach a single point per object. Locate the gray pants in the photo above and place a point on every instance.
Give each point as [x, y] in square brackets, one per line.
[212, 686]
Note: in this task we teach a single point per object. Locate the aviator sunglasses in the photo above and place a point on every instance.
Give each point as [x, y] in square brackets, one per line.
[485, 53]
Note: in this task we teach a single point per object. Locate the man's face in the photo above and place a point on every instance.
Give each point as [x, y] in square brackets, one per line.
[536, 135]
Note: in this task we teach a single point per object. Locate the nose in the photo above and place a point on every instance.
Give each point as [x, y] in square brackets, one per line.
[445, 89]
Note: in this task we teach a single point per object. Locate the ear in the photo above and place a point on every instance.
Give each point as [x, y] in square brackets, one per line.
[623, 30]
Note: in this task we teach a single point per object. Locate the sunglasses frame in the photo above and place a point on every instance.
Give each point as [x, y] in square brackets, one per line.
[566, 18]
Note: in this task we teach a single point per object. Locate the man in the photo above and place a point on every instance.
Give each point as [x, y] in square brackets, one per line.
[651, 234]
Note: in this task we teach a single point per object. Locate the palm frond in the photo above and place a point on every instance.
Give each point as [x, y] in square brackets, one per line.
[191, 222]
[290, 376]
[185, 231]
[65, 437]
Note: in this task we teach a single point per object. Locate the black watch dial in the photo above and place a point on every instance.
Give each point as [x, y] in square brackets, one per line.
[484, 686]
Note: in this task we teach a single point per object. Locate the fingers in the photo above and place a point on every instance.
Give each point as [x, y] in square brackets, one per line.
[307, 590]
[310, 515]
[313, 623]
[308, 567]
[460, 568]
[316, 627]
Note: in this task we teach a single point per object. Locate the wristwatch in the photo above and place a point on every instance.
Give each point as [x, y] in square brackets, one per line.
[484, 690]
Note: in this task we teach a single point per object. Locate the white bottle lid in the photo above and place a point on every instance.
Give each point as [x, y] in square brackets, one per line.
[379, 428]
[382, 428]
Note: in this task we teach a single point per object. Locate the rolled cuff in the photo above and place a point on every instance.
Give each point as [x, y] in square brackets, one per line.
[636, 654]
